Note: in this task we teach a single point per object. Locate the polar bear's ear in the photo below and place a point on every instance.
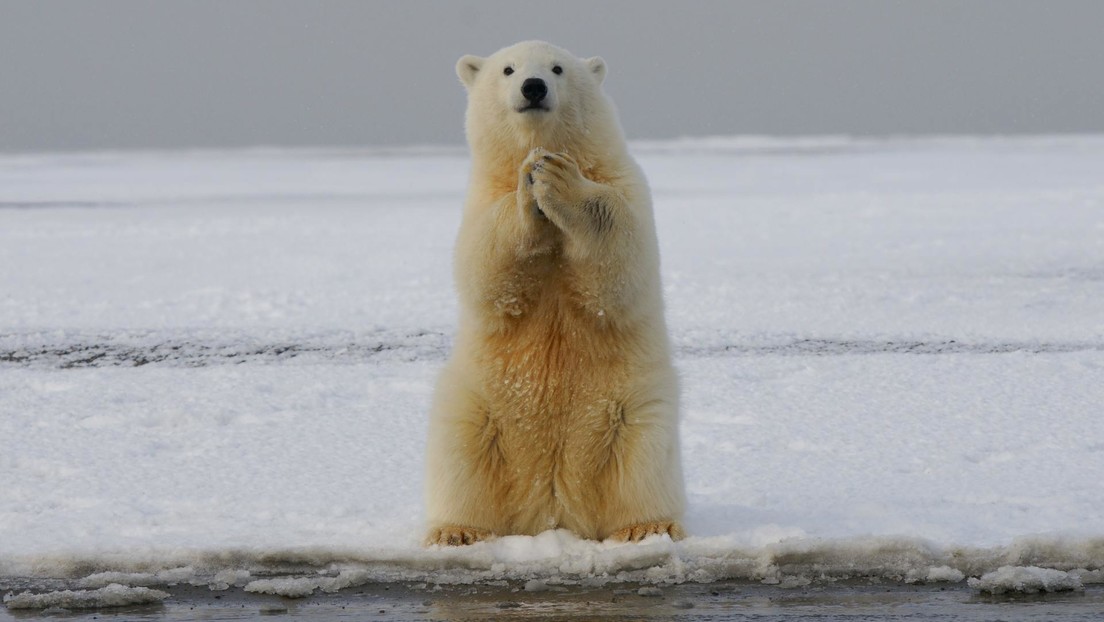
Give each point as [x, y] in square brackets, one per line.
[597, 66]
[467, 67]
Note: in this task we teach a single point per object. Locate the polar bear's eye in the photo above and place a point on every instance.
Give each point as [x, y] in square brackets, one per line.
[508, 70]
[557, 70]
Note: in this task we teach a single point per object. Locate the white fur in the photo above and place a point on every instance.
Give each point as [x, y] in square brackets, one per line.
[558, 407]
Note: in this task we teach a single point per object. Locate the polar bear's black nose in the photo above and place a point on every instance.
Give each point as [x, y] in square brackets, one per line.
[534, 89]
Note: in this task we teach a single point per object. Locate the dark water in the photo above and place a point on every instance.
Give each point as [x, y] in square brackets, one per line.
[719, 601]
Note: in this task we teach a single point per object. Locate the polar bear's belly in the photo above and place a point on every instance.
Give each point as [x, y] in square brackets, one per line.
[554, 398]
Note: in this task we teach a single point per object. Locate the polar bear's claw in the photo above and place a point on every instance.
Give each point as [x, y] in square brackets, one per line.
[636, 533]
[453, 535]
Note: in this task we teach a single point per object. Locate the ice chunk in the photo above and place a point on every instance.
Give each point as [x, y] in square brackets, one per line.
[225, 578]
[536, 585]
[934, 574]
[114, 595]
[1026, 580]
[291, 587]
[300, 587]
[171, 576]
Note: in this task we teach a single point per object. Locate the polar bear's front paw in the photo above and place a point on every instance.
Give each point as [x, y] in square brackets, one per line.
[527, 203]
[555, 177]
[455, 535]
[535, 159]
[636, 533]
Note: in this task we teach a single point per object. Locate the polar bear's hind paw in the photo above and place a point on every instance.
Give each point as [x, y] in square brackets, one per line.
[454, 535]
[636, 533]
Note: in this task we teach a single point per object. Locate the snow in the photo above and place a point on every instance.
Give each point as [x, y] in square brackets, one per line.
[215, 366]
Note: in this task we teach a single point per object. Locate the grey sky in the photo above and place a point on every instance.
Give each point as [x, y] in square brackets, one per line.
[92, 74]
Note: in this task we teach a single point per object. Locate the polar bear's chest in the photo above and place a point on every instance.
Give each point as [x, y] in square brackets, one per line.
[546, 293]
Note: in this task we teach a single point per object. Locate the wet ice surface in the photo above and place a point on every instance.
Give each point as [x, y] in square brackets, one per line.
[512, 601]
[217, 366]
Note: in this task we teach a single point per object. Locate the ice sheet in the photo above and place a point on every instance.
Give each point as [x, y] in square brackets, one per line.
[892, 356]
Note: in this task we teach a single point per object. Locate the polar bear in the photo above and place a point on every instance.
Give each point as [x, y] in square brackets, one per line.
[559, 405]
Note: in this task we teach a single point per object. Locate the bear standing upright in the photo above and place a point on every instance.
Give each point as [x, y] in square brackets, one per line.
[559, 405]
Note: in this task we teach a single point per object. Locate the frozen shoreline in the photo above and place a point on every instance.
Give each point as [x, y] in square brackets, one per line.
[559, 558]
[525, 600]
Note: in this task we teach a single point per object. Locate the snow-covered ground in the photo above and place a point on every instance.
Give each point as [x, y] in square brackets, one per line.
[216, 365]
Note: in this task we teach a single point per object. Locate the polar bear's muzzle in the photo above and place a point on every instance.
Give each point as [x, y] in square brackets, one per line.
[534, 90]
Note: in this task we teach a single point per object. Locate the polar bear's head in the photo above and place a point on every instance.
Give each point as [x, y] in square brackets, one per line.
[535, 93]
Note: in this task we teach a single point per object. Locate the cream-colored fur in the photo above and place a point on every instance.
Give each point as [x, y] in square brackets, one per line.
[559, 405]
